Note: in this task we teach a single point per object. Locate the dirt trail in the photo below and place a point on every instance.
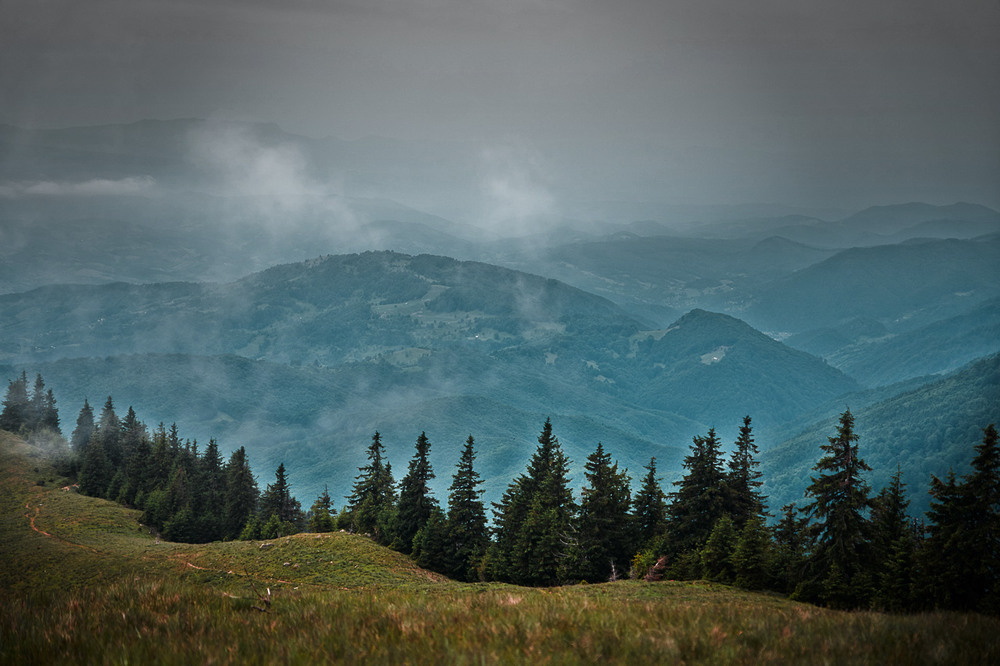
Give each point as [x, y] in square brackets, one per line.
[31, 519]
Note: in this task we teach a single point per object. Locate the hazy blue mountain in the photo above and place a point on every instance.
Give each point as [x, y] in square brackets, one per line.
[349, 344]
[878, 225]
[663, 276]
[894, 219]
[721, 368]
[928, 430]
[328, 310]
[825, 341]
[903, 286]
[937, 348]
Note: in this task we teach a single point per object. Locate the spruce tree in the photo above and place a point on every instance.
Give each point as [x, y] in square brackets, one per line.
[716, 555]
[109, 433]
[744, 499]
[892, 545]
[41, 412]
[753, 557]
[240, 503]
[210, 498]
[649, 508]
[604, 538]
[277, 500]
[960, 560]
[533, 521]
[373, 498]
[321, 513]
[50, 414]
[838, 510]
[16, 405]
[466, 516]
[432, 548]
[84, 428]
[415, 499]
[699, 501]
[96, 470]
[791, 544]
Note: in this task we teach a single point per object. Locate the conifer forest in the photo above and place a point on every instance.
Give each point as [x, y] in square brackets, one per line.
[846, 546]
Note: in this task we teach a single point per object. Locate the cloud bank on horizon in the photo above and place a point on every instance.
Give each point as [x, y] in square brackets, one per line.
[708, 101]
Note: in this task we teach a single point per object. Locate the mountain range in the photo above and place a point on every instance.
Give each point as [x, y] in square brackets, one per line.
[209, 273]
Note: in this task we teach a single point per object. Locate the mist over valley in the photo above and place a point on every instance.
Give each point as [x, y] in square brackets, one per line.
[208, 274]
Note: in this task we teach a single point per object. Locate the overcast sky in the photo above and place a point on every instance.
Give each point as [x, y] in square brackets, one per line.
[805, 102]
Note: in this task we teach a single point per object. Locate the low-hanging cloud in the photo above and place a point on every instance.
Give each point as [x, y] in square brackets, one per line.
[515, 190]
[130, 186]
[269, 181]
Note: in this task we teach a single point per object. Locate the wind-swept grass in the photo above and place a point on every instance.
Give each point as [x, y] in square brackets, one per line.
[98, 588]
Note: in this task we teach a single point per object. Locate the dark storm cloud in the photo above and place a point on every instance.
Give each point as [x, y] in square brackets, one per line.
[777, 99]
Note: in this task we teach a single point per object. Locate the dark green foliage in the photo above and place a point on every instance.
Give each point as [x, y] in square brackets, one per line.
[960, 560]
[699, 501]
[109, 433]
[84, 428]
[16, 405]
[432, 546]
[241, 494]
[373, 499]
[96, 470]
[321, 518]
[649, 508]
[743, 497]
[842, 556]
[604, 535]
[41, 412]
[533, 520]
[926, 429]
[415, 499]
[716, 555]
[277, 500]
[791, 541]
[466, 517]
[893, 546]
[753, 556]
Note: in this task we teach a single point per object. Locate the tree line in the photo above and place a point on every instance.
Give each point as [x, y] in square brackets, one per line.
[843, 547]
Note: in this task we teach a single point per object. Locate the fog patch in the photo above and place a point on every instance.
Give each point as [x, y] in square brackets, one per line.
[130, 186]
[271, 188]
[516, 190]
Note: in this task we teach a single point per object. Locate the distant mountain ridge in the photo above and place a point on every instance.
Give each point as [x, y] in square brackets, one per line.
[349, 344]
[928, 430]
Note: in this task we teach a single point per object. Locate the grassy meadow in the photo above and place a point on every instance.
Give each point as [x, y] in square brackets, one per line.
[83, 582]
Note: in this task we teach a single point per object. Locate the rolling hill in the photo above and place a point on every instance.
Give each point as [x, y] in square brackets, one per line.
[926, 430]
[302, 362]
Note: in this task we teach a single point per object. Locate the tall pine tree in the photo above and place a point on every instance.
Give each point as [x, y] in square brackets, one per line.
[241, 494]
[16, 405]
[604, 536]
[84, 428]
[415, 499]
[960, 560]
[699, 501]
[534, 519]
[370, 505]
[466, 517]
[649, 508]
[840, 563]
[277, 500]
[744, 499]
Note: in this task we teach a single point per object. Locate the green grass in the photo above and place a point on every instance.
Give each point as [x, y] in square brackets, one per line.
[100, 589]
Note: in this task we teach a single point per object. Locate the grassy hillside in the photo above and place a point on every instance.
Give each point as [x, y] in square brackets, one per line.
[84, 582]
